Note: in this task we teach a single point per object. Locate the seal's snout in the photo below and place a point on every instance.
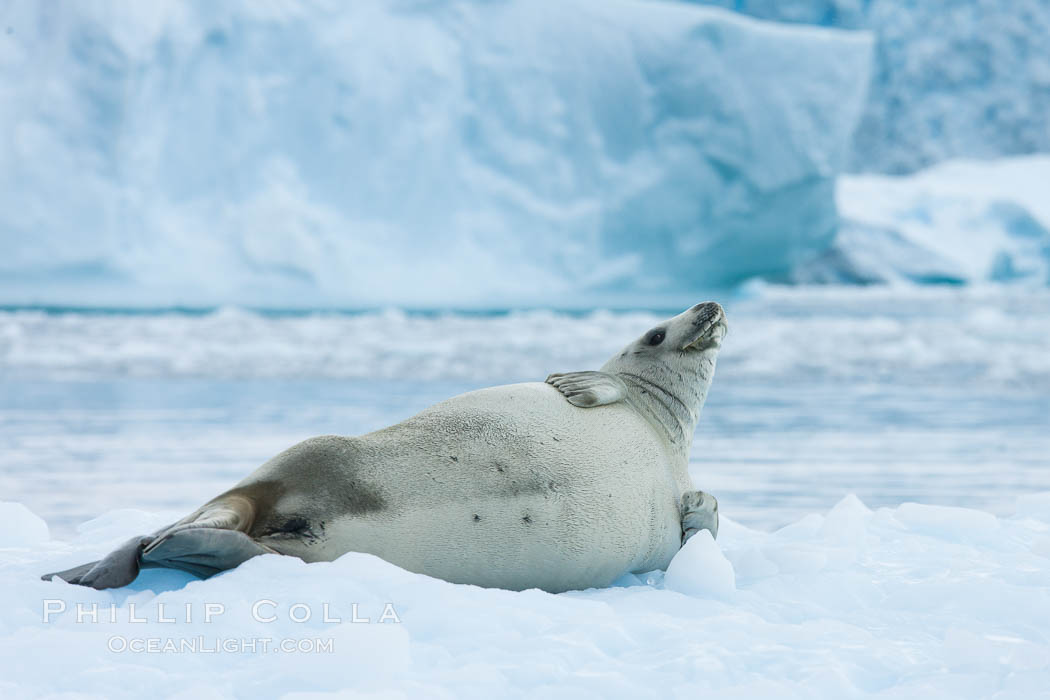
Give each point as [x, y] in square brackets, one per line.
[708, 309]
[708, 315]
[709, 325]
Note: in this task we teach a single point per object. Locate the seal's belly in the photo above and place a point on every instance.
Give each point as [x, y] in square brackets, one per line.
[514, 487]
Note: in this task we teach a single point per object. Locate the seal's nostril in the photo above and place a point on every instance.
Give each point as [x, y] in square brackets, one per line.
[707, 307]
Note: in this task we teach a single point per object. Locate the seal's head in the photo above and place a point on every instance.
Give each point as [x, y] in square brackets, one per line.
[683, 343]
[669, 369]
[696, 330]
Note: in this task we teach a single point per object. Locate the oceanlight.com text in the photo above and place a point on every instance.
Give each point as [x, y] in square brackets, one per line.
[219, 645]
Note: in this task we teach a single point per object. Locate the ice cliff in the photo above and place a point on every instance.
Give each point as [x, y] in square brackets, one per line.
[951, 79]
[287, 154]
[960, 222]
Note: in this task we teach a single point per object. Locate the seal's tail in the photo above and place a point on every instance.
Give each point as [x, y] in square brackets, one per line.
[207, 542]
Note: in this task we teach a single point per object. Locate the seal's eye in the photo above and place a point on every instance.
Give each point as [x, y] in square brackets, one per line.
[656, 338]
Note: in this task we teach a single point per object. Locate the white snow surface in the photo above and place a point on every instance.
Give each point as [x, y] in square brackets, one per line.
[958, 222]
[913, 601]
[285, 154]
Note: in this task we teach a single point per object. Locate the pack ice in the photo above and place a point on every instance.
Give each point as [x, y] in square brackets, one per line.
[913, 601]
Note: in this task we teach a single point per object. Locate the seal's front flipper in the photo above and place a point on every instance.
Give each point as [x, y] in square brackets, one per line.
[202, 551]
[699, 512]
[116, 569]
[589, 389]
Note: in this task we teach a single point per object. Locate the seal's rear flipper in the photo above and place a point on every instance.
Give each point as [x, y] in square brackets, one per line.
[204, 543]
[116, 569]
[589, 389]
[70, 575]
[202, 551]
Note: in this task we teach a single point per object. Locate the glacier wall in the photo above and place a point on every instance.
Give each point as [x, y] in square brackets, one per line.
[466, 153]
[955, 78]
[959, 222]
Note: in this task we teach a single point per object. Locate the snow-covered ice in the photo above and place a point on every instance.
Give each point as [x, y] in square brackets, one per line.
[701, 569]
[913, 601]
[958, 222]
[931, 404]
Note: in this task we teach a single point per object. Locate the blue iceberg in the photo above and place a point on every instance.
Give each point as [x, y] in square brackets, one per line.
[951, 79]
[449, 154]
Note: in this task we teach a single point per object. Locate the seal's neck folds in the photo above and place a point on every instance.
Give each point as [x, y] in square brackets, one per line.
[669, 370]
[668, 396]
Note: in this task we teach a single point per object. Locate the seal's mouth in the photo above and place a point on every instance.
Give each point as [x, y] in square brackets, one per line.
[709, 327]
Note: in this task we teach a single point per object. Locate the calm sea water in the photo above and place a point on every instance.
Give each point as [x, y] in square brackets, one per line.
[943, 400]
